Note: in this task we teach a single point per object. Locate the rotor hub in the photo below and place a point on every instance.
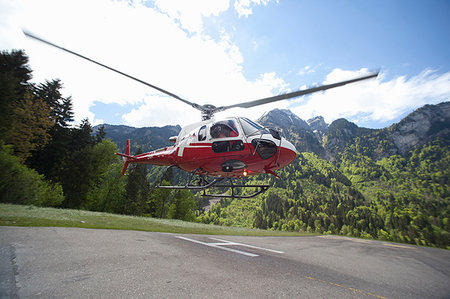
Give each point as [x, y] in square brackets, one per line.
[207, 111]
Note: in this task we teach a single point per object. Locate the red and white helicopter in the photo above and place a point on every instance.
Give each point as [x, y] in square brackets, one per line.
[222, 149]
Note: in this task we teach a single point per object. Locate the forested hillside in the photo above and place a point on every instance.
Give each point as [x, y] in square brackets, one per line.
[389, 184]
[386, 184]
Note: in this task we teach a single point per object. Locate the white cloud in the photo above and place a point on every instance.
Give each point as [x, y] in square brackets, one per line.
[161, 111]
[190, 13]
[306, 70]
[374, 100]
[244, 7]
[142, 41]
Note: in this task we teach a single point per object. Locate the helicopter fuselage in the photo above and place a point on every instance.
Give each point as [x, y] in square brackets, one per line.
[233, 147]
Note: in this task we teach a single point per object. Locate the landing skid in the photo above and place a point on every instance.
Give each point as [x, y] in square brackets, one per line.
[200, 183]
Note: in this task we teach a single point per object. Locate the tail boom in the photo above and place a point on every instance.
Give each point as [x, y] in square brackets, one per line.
[161, 157]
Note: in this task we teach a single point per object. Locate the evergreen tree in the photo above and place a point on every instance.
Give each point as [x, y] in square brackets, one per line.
[14, 76]
[107, 187]
[49, 159]
[61, 108]
[29, 129]
[137, 190]
[24, 121]
[159, 199]
[183, 206]
[100, 134]
[76, 171]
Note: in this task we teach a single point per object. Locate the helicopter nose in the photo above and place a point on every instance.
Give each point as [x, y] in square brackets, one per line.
[288, 153]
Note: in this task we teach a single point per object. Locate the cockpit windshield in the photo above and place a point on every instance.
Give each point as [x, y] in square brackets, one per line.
[251, 128]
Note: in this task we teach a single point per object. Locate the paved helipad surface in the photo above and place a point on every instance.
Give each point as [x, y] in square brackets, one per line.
[87, 263]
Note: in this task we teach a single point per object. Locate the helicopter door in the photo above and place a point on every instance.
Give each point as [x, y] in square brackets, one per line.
[200, 146]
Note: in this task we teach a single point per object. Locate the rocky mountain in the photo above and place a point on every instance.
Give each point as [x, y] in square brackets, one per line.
[328, 141]
[318, 124]
[421, 126]
[283, 118]
[298, 131]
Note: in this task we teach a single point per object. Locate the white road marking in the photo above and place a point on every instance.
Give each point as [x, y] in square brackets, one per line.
[399, 246]
[331, 237]
[215, 245]
[245, 245]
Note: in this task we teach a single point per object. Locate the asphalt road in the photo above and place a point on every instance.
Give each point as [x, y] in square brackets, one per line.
[86, 263]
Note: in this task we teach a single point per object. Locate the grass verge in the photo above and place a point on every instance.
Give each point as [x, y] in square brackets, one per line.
[19, 215]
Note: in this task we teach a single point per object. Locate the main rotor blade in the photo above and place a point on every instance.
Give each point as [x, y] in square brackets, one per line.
[199, 107]
[294, 94]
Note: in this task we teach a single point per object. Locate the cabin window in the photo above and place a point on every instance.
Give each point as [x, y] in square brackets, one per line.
[202, 134]
[224, 129]
[228, 146]
[264, 148]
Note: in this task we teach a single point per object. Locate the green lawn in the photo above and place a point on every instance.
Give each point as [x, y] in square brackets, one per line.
[19, 215]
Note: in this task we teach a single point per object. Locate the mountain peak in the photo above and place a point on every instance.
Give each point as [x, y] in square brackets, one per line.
[282, 118]
[318, 124]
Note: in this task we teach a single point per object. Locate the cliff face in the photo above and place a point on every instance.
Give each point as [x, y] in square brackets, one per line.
[421, 126]
[318, 124]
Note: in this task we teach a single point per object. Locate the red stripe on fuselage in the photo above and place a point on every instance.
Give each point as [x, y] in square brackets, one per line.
[203, 157]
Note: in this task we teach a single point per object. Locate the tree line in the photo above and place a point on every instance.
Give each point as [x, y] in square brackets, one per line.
[46, 160]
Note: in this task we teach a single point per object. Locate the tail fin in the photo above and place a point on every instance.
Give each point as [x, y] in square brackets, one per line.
[127, 149]
[126, 157]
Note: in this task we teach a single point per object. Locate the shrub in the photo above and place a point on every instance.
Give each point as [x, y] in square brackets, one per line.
[22, 185]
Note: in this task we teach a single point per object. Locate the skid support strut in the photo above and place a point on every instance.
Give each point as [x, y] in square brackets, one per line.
[204, 185]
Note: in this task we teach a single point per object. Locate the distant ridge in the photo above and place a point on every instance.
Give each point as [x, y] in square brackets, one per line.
[315, 135]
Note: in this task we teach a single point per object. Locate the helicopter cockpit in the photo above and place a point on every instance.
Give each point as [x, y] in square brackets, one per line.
[232, 127]
[264, 147]
[229, 136]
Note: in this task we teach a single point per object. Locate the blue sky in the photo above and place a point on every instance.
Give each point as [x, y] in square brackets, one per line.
[229, 51]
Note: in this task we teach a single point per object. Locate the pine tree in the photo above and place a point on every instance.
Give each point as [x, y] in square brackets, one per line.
[137, 190]
[29, 129]
[25, 117]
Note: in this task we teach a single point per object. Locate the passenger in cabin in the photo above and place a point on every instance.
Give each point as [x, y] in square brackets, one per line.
[224, 129]
[217, 131]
